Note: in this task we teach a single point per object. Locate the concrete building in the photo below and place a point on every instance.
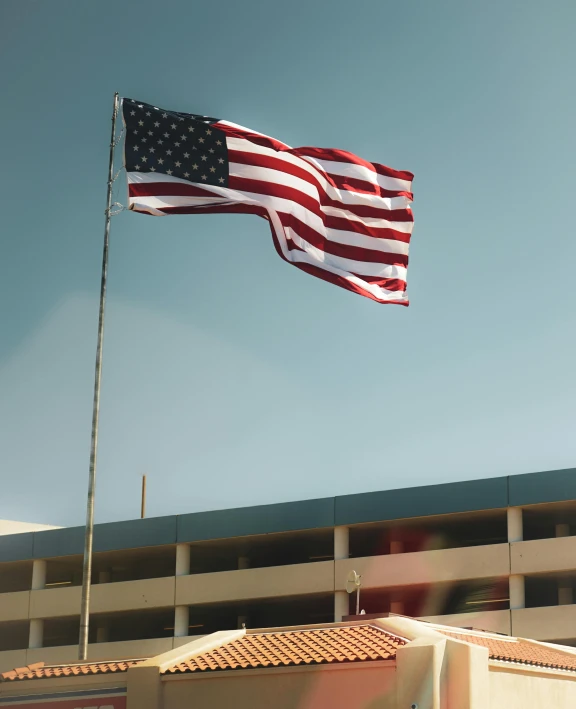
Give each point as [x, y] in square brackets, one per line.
[384, 663]
[495, 554]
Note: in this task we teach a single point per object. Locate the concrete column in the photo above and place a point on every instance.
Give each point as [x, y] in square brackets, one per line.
[562, 530]
[341, 551]
[39, 575]
[515, 527]
[517, 594]
[182, 613]
[341, 543]
[341, 607]
[182, 559]
[181, 620]
[565, 593]
[36, 636]
[102, 633]
[243, 563]
[396, 543]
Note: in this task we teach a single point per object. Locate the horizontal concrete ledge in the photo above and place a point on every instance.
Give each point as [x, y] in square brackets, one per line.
[425, 567]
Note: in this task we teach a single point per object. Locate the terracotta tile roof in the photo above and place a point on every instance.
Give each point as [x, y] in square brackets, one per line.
[41, 671]
[518, 650]
[297, 647]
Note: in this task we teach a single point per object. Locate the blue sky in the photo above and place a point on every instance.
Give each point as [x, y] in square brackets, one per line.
[231, 378]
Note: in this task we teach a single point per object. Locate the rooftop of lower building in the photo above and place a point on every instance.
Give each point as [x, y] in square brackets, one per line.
[331, 643]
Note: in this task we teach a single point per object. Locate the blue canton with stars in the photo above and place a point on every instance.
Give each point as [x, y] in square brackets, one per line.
[178, 144]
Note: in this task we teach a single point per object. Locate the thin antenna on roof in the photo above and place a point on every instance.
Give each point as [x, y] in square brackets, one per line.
[143, 502]
[353, 583]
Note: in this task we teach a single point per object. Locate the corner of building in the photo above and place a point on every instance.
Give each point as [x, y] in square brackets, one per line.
[144, 679]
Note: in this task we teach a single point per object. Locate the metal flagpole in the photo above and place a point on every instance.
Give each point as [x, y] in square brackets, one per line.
[88, 539]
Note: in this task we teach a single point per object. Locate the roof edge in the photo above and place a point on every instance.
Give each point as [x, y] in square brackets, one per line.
[205, 644]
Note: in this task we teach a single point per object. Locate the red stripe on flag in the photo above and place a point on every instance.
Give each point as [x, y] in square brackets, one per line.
[335, 155]
[337, 181]
[355, 253]
[344, 283]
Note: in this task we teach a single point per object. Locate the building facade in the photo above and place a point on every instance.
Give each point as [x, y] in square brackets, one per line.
[383, 663]
[495, 554]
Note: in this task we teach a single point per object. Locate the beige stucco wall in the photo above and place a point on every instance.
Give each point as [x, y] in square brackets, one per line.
[61, 684]
[543, 555]
[424, 567]
[9, 659]
[104, 598]
[547, 623]
[531, 690]
[14, 606]
[268, 582]
[362, 686]
[492, 621]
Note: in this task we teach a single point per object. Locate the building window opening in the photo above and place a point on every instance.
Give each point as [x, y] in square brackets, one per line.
[14, 635]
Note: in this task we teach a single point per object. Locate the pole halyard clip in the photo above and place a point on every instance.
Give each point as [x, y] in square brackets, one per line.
[114, 209]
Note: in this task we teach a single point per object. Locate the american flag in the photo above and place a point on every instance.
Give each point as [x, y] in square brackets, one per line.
[331, 213]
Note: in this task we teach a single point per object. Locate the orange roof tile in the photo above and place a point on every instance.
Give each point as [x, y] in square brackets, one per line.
[297, 647]
[41, 671]
[518, 650]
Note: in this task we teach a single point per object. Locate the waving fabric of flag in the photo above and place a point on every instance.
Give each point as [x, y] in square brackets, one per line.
[332, 214]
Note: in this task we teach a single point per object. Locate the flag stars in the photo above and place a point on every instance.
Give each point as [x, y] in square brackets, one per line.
[196, 152]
